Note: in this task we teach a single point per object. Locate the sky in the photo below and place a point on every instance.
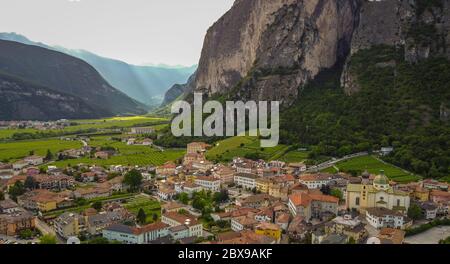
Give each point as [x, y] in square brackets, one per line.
[140, 32]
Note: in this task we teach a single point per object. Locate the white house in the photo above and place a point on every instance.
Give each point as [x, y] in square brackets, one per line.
[246, 180]
[380, 217]
[315, 181]
[208, 183]
[136, 235]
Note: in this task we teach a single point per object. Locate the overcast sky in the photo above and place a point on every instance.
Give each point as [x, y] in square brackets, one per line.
[136, 31]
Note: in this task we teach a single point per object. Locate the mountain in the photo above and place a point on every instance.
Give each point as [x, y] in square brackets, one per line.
[25, 100]
[351, 75]
[146, 84]
[65, 75]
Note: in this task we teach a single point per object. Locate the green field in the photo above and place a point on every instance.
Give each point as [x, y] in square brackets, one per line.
[295, 156]
[20, 149]
[150, 207]
[127, 155]
[226, 149]
[373, 166]
[107, 123]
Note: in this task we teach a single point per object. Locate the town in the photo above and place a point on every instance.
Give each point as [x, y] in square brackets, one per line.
[195, 200]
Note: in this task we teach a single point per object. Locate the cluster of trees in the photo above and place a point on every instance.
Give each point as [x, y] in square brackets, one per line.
[49, 134]
[398, 104]
[133, 179]
[425, 227]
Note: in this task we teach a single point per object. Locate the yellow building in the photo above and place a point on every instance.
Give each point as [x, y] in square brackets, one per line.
[421, 194]
[377, 194]
[262, 185]
[269, 229]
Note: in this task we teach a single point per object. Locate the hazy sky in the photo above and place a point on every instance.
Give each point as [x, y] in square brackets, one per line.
[136, 31]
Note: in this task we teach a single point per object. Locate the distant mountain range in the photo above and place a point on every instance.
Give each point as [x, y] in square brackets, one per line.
[146, 84]
[38, 83]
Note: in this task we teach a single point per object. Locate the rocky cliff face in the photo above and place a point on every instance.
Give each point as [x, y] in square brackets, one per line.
[420, 27]
[267, 49]
[277, 45]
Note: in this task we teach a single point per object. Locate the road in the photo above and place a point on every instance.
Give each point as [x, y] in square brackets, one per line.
[47, 230]
[333, 162]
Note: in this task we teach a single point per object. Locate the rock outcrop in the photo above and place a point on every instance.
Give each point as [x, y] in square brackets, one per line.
[268, 49]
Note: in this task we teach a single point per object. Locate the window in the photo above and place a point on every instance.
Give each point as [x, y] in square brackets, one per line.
[357, 201]
[398, 202]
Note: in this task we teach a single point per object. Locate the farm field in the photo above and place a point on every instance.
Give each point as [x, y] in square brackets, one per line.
[107, 123]
[226, 149]
[127, 155]
[149, 205]
[20, 149]
[373, 166]
[295, 156]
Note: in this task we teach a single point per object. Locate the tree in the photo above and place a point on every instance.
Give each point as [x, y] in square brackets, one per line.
[26, 234]
[325, 189]
[49, 155]
[97, 205]
[16, 190]
[337, 193]
[154, 217]
[141, 216]
[351, 240]
[415, 212]
[2, 196]
[221, 196]
[183, 198]
[30, 183]
[47, 240]
[31, 153]
[133, 179]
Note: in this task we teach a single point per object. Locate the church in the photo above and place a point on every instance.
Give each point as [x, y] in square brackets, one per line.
[379, 193]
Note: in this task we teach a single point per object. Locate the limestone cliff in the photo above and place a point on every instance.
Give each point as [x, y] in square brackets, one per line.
[268, 49]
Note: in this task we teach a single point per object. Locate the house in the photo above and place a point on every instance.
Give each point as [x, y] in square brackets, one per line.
[297, 167]
[147, 142]
[429, 210]
[102, 155]
[298, 228]
[191, 188]
[315, 181]
[208, 183]
[193, 157]
[437, 196]
[347, 225]
[243, 222]
[386, 151]
[142, 130]
[19, 165]
[44, 200]
[12, 224]
[224, 173]
[247, 238]
[312, 205]
[8, 207]
[165, 193]
[95, 223]
[246, 180]
[380, 217]
[34, 160]
[196, 147]
[282, 220]
[262, 185]
[391, 236]
[169, 168]
[435, 185]
[173, 207]
[68, 224]
[136, 235]
[256, 201]
[269, 229]
[92, 192]
[6, 171]
[54, 182]
[195, 228]
[421, 194]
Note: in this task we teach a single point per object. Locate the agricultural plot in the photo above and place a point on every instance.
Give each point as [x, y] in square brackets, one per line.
[295, 156]
[226, 149]
[21, 149]
[127, 155]
[373, 166]
[149, 205]
[115, 122]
